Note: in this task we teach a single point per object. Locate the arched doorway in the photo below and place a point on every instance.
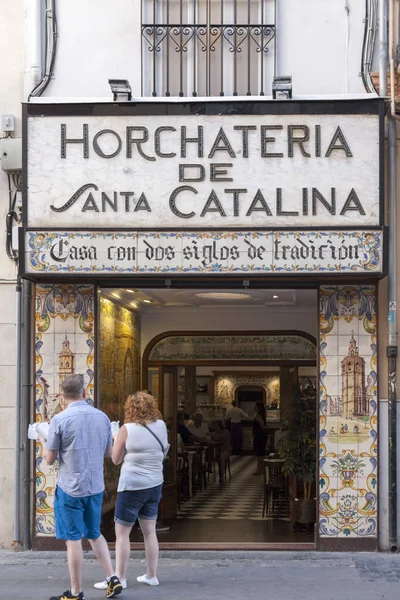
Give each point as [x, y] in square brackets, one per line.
[248, 395]
[209, 370]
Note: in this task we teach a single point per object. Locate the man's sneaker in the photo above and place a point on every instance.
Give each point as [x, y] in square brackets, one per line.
[148, 580]
[114, 587]
[69, 596]
[102, 585]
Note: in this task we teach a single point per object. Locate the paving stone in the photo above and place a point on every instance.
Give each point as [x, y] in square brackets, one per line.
[203, 575]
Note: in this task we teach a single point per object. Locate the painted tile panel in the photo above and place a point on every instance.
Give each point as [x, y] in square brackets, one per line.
[257, 252]
[348, 412]
[64, 344]
[119, 375]
[239, 347]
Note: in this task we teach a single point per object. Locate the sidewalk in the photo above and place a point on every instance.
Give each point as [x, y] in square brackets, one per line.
[224, 575]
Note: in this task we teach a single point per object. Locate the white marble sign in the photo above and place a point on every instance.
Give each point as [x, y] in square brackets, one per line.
[268, 252]
[203, 171]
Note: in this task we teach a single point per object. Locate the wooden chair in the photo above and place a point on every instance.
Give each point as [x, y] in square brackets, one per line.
[182, 478]
[275, 489]
[212, 460]
[227, 467]
[197, 472]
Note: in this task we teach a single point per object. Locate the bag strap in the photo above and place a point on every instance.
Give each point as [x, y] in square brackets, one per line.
[156, 436]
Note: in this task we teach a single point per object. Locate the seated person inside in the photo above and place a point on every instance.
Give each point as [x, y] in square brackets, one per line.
[190, 433]
[199, 430]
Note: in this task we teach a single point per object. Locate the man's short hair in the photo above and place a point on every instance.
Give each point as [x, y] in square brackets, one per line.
[73, 386]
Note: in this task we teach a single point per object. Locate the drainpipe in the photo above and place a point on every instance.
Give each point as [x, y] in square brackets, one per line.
[392, 348]
[383, 48]
[51, 47]
[36, 42]
[17, 469]
[392, 59]
[26, 397]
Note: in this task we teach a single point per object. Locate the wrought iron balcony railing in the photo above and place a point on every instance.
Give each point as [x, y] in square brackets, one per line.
[208, 47]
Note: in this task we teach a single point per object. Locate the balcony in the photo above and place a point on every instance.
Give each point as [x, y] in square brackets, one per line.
[208, 47]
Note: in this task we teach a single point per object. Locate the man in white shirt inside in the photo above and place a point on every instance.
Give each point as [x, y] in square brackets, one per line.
[198, 429]
[235, 415]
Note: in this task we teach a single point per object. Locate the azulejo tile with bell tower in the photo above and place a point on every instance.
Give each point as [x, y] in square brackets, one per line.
[64, 344]
[348, 412]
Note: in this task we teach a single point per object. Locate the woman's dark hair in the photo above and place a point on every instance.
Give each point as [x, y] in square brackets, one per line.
[261, 411]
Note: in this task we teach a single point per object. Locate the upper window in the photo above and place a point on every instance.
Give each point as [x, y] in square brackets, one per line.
[208, 47]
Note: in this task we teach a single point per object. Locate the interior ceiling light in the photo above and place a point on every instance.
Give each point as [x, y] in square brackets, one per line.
[131, 291]
[223, 296]
[115, 295]
[147, 301]
[177, 304]
[275, 297]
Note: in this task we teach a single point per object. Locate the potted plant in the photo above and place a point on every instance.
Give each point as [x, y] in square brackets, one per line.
[297, 447]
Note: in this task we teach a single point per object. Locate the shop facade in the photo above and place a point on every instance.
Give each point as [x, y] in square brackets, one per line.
[235, 194]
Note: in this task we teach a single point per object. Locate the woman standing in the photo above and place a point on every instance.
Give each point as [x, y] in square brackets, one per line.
[260, 436]
[140, 445]
[221, 435]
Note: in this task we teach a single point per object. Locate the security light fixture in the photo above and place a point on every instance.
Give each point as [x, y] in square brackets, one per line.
[275, 297]
[282, 87]
[121, 90]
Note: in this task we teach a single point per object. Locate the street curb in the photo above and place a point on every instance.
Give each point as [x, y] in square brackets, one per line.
[190, 555]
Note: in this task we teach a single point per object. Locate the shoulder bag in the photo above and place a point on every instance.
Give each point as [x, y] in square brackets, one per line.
[164, 450]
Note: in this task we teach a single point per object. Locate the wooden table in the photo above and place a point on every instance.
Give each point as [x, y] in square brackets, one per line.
[211, 454]
[189, 454]
[201, 451]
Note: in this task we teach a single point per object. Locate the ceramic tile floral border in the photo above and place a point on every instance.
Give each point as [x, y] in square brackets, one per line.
[258, 252]
[348, 412]
[64, 344]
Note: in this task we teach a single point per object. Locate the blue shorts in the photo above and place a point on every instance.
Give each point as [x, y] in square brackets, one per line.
[77, 517]
[134, 504]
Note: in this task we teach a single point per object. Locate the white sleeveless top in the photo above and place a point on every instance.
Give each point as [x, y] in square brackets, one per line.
[142, 467]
